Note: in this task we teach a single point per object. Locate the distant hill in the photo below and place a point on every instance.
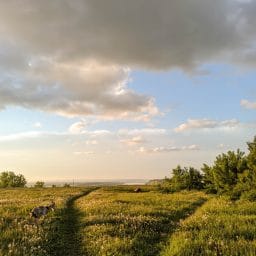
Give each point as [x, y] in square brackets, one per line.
[155, 182]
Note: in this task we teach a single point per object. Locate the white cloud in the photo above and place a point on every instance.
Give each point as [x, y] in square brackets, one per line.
[248, 104]
[149, 34]
[77, 127]
[142, 132]
[91, 142]
[28, 135]
[72, 57]
[133, 141]
[84, 153]
[167, 149]
[195, 124]
[75, 89]
[40, 134]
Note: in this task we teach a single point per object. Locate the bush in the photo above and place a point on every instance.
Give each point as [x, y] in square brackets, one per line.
[182, 178]
[249, 195]
[11, 180]
[39, 184]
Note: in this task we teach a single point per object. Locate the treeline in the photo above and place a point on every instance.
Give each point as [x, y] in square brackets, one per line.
[232, 173]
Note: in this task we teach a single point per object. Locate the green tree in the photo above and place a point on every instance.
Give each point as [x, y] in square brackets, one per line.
[226, 170]
[183, 178]
[193, 179]
[39, 184]
[11, 180]
[208, 179]
[251, 162]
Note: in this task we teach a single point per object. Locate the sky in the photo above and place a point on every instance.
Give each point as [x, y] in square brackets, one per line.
[118, 89]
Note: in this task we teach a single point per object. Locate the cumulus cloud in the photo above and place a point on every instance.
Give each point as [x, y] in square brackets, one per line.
[195, 124]
[91, 142]
[77, 127]
[149, 34]
[167, 149]
[134, 141]
[142, 132]
[72, 57]
[74, 89]
[248, 104]
[29, 135]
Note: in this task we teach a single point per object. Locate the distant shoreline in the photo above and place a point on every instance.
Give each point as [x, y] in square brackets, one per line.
[106, 182]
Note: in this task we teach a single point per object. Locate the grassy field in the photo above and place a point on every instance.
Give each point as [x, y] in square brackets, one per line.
[116, 221]
[121, 222]
[220, 227]
[18, 233]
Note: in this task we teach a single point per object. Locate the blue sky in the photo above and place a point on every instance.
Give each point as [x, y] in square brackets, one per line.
[87, 94]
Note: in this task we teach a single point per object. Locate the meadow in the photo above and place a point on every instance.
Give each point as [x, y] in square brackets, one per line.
[115, 220]
[18, 233]
[219, 227]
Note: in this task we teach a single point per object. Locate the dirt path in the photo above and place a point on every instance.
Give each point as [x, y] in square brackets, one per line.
[64, 237]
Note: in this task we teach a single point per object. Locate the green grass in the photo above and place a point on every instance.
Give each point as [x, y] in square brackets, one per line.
[18, 233]
[220, 227]
[117, 221]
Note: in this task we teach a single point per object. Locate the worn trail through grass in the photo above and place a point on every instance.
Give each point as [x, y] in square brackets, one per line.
[121, 222]
[64, 237]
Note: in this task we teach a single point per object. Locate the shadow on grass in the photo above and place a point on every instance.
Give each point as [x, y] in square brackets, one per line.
[64, 237]
[150, 237]
[167, 225]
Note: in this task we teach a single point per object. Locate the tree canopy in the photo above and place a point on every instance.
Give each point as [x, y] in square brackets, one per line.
[232, 173]
[11, 180]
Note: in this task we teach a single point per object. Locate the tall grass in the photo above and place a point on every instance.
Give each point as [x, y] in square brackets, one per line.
[220, 227]
[118, 221]
[19, 235]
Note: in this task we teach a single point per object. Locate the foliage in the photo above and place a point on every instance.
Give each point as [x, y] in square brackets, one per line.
[232, 173]
[11, 180]
[39, 184]
[183, 178]
[251, 162]
[226, 171]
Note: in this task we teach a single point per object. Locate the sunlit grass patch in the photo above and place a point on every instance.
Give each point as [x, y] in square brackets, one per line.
[220, 227]
[18, 233]
[121, 222]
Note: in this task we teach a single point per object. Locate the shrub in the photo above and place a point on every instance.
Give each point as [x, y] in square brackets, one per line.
[11, 180]
[39, 184]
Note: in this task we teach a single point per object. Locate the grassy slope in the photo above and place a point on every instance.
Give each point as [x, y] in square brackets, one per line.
[119, 222]
[18, 234]
[220, 227]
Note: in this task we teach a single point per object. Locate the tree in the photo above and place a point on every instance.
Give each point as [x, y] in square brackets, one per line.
[11, 180]
[208, 179]
[39, 184]
[193, 179]
[251, 162]
[183, 178]
[226, 170]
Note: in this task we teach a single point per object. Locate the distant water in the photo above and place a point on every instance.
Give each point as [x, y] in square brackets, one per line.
[103, 182]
